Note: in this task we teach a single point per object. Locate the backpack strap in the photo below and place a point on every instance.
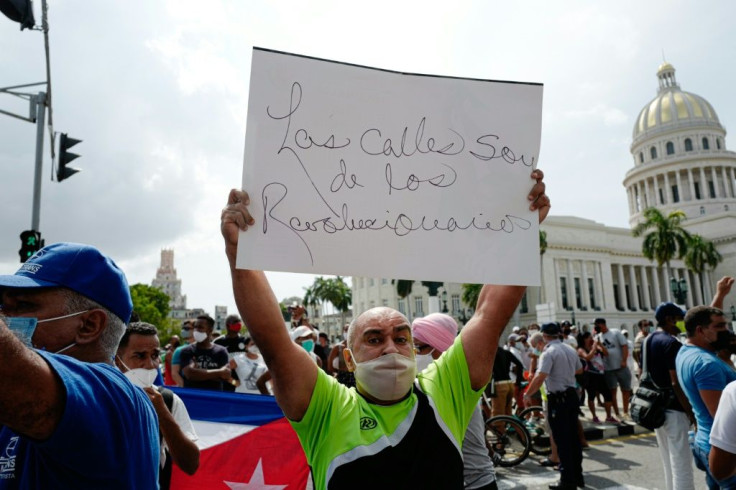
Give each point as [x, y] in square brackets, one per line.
[168, 397]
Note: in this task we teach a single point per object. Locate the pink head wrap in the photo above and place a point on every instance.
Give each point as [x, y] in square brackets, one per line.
[437, 329]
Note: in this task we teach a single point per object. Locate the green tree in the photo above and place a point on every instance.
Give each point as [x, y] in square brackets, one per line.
[701, 256]
[470, 294]
[333, 290]
[152, 306]
[664, 237]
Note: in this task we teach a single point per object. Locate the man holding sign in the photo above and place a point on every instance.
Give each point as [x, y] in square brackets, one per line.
[389, 432]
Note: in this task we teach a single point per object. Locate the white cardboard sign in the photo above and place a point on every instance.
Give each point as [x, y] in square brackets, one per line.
[360, 171]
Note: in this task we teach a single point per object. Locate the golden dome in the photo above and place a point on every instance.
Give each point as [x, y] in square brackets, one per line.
[673, 108]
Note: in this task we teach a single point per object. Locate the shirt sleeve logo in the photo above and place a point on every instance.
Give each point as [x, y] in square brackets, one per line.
[367, 423]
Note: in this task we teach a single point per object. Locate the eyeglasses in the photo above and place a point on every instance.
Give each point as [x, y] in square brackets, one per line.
[186, 328]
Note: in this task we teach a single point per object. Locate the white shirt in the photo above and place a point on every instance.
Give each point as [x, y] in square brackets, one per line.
[181, 416]
[722, 434]
[248, 370]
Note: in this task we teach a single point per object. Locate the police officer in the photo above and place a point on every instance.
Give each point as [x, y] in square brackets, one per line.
[558, 366]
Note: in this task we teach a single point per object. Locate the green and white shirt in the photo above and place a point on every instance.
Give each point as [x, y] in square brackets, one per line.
[416, 443]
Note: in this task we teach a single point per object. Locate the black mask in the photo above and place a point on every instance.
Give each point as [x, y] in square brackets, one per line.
[723, 340]
[597, 329]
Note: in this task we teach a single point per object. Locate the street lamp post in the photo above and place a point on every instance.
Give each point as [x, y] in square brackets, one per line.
[444, 301]
[679, 290]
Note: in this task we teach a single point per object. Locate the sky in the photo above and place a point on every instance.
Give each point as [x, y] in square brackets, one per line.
[158, 92]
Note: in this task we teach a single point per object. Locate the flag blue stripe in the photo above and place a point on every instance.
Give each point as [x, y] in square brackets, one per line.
[229, 408]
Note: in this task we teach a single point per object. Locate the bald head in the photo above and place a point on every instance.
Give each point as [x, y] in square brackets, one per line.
[372, 316]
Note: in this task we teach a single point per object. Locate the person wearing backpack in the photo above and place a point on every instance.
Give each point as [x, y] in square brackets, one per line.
[672, 437]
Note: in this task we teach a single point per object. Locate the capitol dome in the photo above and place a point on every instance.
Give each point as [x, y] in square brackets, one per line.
[673, 108]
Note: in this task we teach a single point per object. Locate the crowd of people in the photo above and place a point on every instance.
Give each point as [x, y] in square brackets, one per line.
[82, 405]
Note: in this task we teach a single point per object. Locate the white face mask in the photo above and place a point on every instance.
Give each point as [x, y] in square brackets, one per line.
[199, 336]
[254, 350]
[386, 378]
[142, 378]
[424, 360]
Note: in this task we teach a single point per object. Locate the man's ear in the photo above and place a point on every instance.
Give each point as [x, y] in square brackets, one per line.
[93, 324]
[349, 361]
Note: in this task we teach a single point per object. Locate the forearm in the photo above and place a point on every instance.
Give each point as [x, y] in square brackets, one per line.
[176, 375]
[199, 374]
[32, 396]
[184, 451]
[722, 463]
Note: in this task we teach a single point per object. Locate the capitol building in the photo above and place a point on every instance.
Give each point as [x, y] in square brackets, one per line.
[680, 162]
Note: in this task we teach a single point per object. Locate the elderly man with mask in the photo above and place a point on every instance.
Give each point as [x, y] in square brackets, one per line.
[71, 420]
[390, 432]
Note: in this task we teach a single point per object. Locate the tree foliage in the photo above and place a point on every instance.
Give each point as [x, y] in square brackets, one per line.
[152, 306]
[664, 237]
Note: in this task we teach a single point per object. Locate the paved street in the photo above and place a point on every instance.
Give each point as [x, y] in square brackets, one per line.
[625, 462]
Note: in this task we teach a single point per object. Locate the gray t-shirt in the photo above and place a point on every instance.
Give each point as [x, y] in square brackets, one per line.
[559, 361]
[612, 340]
[477, 466]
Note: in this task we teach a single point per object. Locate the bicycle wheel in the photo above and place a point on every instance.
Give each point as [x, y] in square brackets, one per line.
[507, 440]
[536, 424]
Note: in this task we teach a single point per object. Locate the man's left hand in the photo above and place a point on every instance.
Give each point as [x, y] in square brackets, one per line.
[539, 200]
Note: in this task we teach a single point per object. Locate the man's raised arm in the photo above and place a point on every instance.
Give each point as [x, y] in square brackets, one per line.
[495, 306]
[293, 373]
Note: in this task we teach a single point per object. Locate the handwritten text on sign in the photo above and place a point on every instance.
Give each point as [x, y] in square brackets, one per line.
[359, 171]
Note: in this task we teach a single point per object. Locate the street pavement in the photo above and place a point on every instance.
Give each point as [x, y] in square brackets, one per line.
[623, 456]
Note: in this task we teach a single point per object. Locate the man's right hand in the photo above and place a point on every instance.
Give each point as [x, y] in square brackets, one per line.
[234, 218]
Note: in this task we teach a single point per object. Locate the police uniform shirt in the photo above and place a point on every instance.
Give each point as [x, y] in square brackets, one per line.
[559, 362]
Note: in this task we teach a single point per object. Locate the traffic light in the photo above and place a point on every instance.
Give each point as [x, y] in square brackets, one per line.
[62, 171]
[20, 11]
[30, 243]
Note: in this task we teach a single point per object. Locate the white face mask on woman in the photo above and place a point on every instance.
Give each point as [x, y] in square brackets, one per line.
[424, 360]
[386, 378]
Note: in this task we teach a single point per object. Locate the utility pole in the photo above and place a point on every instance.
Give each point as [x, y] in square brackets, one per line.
[40, 102]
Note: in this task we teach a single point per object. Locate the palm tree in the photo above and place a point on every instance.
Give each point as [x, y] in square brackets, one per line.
[702, 256]
[470, 294]
[667, 240]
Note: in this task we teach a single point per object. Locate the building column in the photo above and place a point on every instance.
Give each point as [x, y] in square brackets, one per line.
[630, 196]
[656, 190]
[645, 287]
[606, 285]
[724, 179]
[704, 191]
[621, 287]
[679, 185]
[667, 188]
[647, 194]
[655, 286]
[558, 275]
[570, 286]
[632, 287]
[715, 182]
[691, 183]
[732, 182]
[584, 292]
[698, 292]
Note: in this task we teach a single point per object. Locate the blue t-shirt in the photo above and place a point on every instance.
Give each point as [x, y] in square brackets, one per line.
[107, 436]
[699, 369]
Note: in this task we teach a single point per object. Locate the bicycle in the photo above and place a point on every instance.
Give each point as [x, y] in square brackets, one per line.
[508, 440]
[535, 422]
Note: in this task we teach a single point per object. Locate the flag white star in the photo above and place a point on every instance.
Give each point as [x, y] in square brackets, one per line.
[256, 481]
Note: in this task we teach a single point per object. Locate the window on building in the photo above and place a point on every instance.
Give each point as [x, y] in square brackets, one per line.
[725, 207]
[617, 299]
[706, 145]
[628, 297]
[711, 189]
[418, 306]
[591, 291]
[696, 185]
[718, 143]
[524, 307]
[370, 282]
[384, 281]
[455, 301]
[384, 302]
[702, 210]
[675, 194]
[402, 306]
[670, 148]
[661, 196]
[641, 157]
[563, 291]
[578, 295]
[653, 152]
[688, 144]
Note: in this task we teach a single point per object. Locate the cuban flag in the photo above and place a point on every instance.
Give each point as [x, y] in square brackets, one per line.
[245, 443]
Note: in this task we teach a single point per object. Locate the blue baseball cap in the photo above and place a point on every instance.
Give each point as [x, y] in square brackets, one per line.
[551, 328]
[81, 268]
[667, 309]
